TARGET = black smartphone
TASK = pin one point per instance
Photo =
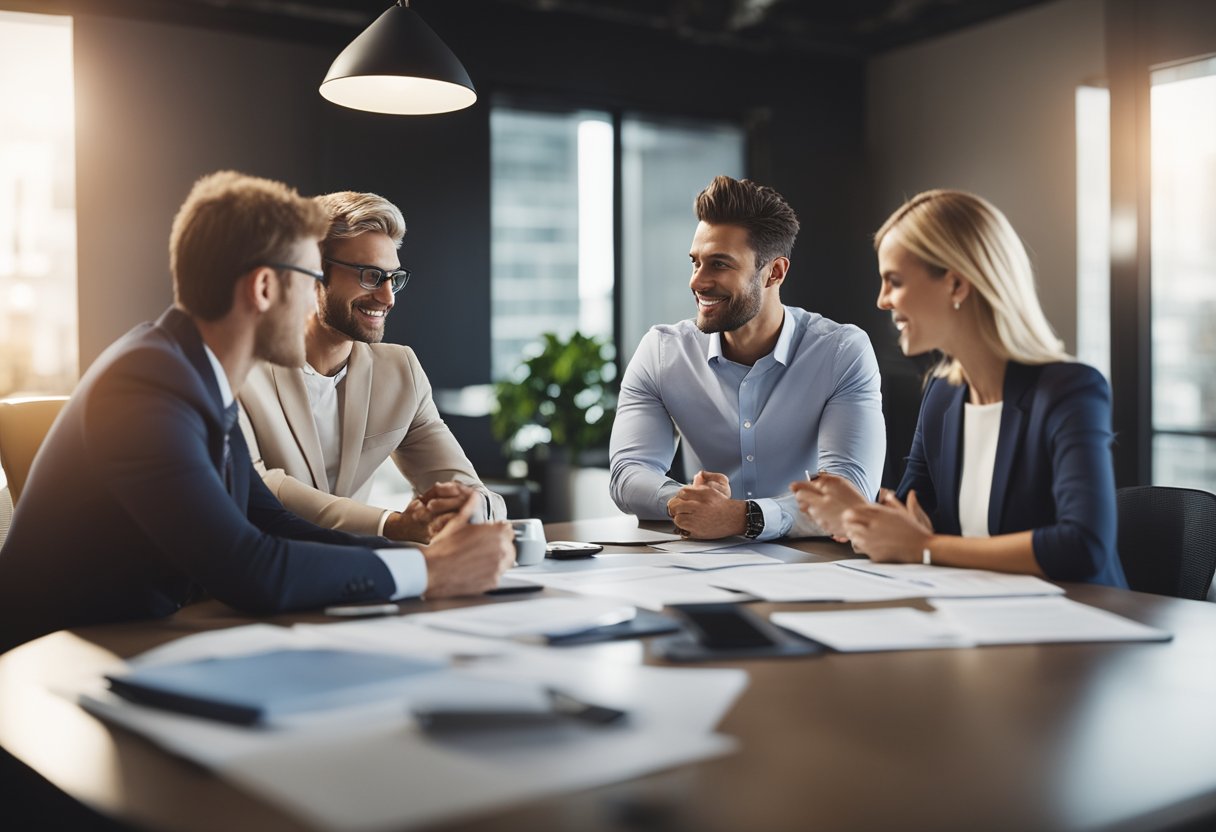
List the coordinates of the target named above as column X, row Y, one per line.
column 729, row 631
column 571, row 550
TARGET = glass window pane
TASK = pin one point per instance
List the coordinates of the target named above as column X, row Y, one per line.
column 1184, row 461
column 1184, row 249
column 38, row 340
column 664, row 165
column 551, row 253
column 1093, row 227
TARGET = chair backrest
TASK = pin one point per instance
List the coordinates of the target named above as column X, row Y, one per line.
column 23, row 425
column 1167, row 539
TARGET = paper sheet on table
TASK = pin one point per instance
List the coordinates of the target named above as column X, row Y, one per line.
column 654, row 593
column 951, row 582
column 372, row 770
column 535, row 617
column 813, row 582
column 966, row 623
column 225, row 643
column 1041, row 620
column 899, row 628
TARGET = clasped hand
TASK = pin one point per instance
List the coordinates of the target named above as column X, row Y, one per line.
column 704, row 509
column 889, row 531
column 467, row 558
column 429, row 512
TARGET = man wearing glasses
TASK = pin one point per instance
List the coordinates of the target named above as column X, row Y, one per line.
column 143, row 497
column 319, row 432
column 759, row 394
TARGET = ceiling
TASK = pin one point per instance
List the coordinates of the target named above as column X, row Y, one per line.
column 843, row 28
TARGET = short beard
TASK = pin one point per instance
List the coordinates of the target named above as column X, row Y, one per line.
column 739, row 309
column 342, row 319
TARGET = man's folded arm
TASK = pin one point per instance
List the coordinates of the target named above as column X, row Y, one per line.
column 152, row 445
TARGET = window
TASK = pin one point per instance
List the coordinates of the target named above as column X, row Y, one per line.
column 38, row 351
column 1093, row 227
column 551, row 217
column 553, row 254
column 1183, row 135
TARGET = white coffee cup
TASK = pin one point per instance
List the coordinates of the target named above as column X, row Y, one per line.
column 529, row 541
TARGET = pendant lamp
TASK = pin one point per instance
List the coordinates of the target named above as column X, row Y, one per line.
column 398, row 65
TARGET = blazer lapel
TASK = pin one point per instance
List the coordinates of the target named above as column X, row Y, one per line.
column 952, row 459
column 1013, row 424
column 293, row 396
column 356, row 397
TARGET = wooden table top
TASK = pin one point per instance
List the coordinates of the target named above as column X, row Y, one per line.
column 1035, row 737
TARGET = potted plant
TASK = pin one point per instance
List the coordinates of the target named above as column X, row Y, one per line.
column 557, row 410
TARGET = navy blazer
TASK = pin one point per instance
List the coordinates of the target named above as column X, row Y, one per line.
column 125, row 514
column 1054, row 473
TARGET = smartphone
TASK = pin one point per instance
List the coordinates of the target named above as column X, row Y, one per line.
column 729, row 631
column 571, row 550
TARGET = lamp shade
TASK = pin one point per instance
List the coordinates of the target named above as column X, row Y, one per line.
column 398, row 65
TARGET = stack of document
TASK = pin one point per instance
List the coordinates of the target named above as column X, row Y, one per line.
column 369, row 767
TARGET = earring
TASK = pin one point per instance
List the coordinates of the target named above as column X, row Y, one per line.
column 956, row 305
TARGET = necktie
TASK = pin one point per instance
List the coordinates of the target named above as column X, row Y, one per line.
column 226, row 467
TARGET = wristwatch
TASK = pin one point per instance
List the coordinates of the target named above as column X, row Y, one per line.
column 755, row 520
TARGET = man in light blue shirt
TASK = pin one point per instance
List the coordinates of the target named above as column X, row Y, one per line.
column 759, row 393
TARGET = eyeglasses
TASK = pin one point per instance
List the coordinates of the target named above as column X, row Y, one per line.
column 315, row 275
column 371, row 277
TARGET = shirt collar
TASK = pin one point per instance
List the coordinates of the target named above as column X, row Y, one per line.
column 335, row 379
column 221, row 377
column 781, row 350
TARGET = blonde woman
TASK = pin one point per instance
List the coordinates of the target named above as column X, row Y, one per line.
column 1010, row 467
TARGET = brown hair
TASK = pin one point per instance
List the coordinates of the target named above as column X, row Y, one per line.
column 229, row 224
column 771, row 223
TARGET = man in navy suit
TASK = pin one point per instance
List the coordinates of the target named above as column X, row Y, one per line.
column 143, row 497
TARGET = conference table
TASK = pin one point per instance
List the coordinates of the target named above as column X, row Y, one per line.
column 1029, row 737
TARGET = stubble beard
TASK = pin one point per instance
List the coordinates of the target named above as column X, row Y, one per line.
column 342, row 319
column 740, row 309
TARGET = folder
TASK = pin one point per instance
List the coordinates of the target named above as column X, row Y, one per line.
column 256, row 688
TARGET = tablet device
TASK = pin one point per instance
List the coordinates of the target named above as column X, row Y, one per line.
column 719, row 632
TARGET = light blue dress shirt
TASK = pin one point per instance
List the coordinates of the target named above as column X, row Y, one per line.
column 407, row 565
column 812, row 404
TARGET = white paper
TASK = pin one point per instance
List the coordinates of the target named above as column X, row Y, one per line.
column 1041, row 620
column 726, row 544
column 953, row 582
column 897, row 628
column 654, row 593
column 813, row 582
column 373, row 770
column 535, row 617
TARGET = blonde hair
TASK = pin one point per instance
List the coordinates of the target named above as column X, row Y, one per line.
column 963, row 233
column 352, row 213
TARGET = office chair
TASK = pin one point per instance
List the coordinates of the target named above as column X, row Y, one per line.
column 23, row 425
column 1167, row 539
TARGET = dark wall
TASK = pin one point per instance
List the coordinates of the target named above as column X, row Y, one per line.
column 160, row 104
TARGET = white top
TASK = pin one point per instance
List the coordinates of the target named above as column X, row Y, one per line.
column 981, row 431
column 323, row 395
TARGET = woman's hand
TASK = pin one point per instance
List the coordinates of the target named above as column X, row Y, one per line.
column 889, row 531
column 825, row 499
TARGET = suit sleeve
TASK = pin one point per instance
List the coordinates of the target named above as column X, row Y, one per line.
column 311, row 503
column 1078, row 432
column 429, row 453
column 643, row 442
column 916, row 474
column 149, row 437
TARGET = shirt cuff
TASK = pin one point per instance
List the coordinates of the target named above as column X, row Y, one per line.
column 383, row 522
column 408, row 568
column 775, row 523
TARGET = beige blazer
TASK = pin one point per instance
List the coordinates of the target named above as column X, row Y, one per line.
column 399, row 420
